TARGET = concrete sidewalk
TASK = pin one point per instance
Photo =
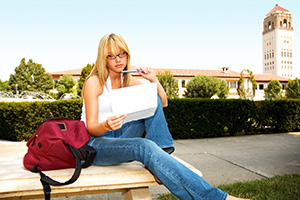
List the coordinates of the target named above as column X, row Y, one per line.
column 221, row 160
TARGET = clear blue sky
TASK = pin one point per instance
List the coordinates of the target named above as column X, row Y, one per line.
column 188, row 34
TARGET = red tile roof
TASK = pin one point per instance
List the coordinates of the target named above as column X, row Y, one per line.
column 268, row 77
column 277, row 7
column 74, row 72
column 192, row 73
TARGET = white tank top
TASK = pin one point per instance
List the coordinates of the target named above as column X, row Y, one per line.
column 104, row 104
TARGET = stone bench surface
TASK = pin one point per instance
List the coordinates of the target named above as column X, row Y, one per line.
column 16, row 181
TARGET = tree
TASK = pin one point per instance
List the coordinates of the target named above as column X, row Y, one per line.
column 84, row 74
column 3, row 85
column 169, row 83
column 65, row 84
column 30, row 76
column 293, row 89
column 273, row 91
column 206, row 86
column 249, row 91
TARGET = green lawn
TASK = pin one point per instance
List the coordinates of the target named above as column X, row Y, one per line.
column 286, row 187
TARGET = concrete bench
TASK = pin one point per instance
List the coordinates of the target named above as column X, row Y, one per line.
column 132, row 179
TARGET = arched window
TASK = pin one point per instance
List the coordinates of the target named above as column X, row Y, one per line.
column 269, row 26
column 284, row 23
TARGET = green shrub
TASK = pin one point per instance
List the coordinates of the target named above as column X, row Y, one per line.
column 279, row 115
column 196, row 118
column 186, row 118
column 19, row 120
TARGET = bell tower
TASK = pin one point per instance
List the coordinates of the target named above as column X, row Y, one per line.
column 278, row 37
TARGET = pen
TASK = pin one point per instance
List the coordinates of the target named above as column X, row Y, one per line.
column 132, row 71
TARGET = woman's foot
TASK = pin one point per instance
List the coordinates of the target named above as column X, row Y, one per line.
column 229, row 197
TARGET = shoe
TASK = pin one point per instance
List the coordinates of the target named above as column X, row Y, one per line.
column 169, row 150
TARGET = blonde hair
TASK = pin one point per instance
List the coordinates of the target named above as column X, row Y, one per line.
column 110, row 42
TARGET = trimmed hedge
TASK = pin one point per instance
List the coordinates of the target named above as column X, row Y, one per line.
column 19, row 120
column 186, row 118
column 196, row 118
column 279, row 115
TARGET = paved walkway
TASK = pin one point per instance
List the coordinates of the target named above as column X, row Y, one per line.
column 221, row 160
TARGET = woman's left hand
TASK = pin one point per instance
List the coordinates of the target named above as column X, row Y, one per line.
column 148, row 74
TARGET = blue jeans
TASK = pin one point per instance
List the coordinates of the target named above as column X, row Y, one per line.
column 126, row 145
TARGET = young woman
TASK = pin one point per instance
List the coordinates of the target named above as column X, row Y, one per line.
column 117, row 143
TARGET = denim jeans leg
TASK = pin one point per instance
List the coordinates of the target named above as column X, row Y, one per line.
column 157, row 129
column 133, row 129
column 180, row 180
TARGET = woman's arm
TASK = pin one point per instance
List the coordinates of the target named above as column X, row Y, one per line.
column 91, row 91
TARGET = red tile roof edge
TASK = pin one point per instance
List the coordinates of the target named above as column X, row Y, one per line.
column 193, row 72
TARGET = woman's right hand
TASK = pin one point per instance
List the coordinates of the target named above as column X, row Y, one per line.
column 115, row 122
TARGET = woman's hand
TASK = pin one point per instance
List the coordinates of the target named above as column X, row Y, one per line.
column 148, row 74
column 115, row 122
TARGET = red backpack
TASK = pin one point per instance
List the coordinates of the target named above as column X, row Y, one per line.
column 58, row 143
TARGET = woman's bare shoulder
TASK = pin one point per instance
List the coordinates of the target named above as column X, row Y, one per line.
column 92, row 85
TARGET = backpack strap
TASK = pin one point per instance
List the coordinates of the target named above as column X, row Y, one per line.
column 47, row 181
column 88, row 154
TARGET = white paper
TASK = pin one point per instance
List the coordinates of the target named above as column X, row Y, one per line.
column 137, row 102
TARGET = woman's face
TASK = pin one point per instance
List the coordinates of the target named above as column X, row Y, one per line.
column 116, row 62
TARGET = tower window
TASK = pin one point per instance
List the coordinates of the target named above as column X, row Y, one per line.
column 284, row 23
column 269, row 26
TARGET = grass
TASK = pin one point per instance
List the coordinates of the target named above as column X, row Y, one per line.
column 285, row 187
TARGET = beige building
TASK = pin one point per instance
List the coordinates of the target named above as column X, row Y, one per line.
column 183, row 76
column 278, row 40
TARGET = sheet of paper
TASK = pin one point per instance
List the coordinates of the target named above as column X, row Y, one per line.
column 137, row 102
